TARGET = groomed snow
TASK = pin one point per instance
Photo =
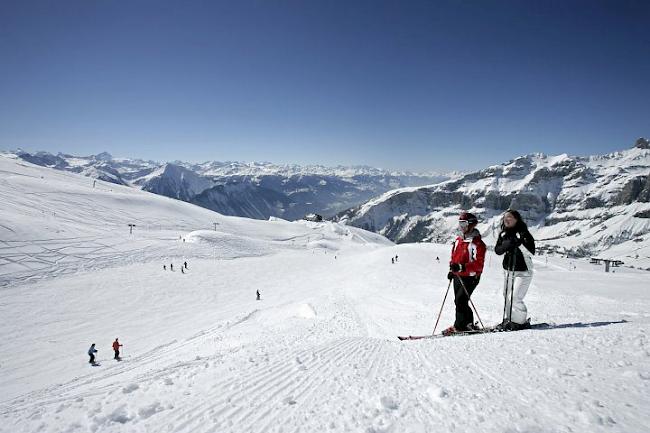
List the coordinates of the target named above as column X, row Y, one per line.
column 317, row 353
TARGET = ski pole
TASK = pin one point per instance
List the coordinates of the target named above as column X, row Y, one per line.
column 512, row 291
column 507, row 286
column 441, row 307
column 470, row 300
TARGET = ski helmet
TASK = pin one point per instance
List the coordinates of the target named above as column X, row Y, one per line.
column 469, row 217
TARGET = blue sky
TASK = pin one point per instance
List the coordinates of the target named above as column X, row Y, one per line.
column 421, row 85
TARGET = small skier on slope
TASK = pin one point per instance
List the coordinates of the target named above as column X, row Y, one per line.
column 91, row 353
column 517, row 269
column 465, row 268
column 116, row 349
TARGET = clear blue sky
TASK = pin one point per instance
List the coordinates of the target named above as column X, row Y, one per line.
column 395, row 84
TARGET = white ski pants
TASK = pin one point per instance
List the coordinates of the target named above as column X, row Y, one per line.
column 519, row 281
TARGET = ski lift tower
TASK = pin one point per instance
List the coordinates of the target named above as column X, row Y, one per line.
column 608, row 262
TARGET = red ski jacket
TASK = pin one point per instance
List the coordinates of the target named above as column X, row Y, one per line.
column 469, row 251
column 116, row 345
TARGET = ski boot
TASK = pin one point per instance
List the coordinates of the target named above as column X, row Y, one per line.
column 507, row 325
column 450, row 331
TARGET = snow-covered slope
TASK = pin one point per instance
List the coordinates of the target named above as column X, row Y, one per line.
column 317, row 353
column 597, row 205
column 53, row 222
column 306, row 189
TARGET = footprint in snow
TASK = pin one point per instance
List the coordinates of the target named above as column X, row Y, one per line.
column 289, row 400
column 130, row 388
column 151, row 409
column 437, row 393
column 388, row 403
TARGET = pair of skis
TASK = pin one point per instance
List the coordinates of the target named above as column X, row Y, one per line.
column 488, row 330
column 454, row 334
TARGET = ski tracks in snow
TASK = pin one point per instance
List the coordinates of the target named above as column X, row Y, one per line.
column 366, row 384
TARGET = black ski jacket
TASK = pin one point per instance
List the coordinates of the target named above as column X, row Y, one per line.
column 508, row 242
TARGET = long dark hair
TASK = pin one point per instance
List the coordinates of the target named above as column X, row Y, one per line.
column 520, row 225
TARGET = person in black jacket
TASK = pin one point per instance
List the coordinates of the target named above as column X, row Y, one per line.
column 517, row 245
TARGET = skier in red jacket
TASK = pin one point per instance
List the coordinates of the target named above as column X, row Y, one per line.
column 116, row 349
column 465, row 268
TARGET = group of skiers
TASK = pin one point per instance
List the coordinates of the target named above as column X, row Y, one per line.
column 171, row 267
column 516, row 244
column 116, row 350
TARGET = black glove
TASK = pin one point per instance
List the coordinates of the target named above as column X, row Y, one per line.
column 508, row 244
column 457, row 267
column 450, row 276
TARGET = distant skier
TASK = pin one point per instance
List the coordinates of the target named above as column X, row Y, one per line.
column 164, row 267
column 392, row 260
column 396, row 257
column 437, row 259
column 91, row 353
column 185, row 264
column 182, row 271
column 259, row 296
column 465, row 268
column 517, row 269
column 116, row 349
column 171, row 267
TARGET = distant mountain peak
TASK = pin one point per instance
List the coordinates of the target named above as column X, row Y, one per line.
column 642, row 143
column 104, row 156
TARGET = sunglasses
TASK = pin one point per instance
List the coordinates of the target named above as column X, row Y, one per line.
column 463, row 223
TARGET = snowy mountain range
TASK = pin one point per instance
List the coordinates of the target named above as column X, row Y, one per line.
column 575, row 205
column 254, row 190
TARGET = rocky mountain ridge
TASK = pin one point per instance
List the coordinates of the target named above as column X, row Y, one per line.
column 575, row 205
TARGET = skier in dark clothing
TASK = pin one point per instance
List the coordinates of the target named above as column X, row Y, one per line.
column 185, row 264
column 258, row 295
column 182, row 271
column 91, row 353
column 116, row 349
column 164, row 267
column 465, row 268
column 171, row 266
column 517, row 268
